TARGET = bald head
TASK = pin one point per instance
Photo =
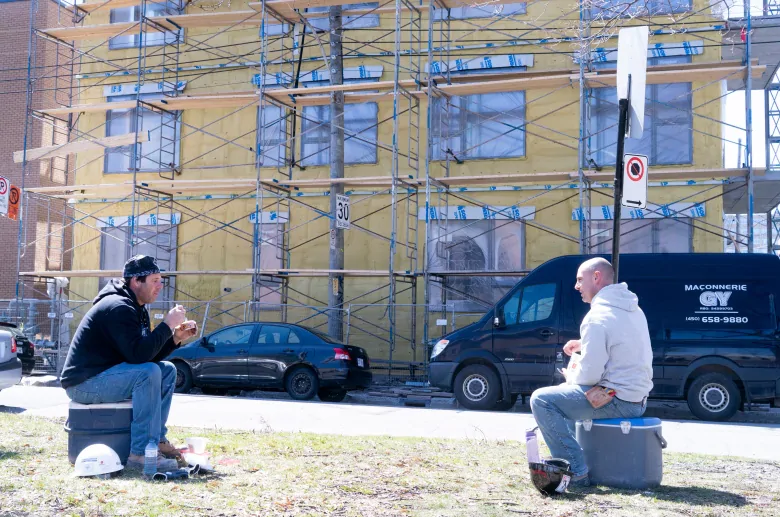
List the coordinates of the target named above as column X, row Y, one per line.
column 592, row 276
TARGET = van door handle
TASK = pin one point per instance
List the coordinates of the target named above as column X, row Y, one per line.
column 242, row 351
column 546, row 333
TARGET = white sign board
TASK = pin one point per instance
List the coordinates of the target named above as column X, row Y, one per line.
column 5, row 189
column 634, row 181
column 342, row 211
column 632, row 60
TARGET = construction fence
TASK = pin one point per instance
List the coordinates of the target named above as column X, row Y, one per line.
column 396, row 356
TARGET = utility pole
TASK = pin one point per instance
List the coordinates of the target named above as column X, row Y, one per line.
column 336, row 257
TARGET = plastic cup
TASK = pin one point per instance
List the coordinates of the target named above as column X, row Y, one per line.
column 197, row 444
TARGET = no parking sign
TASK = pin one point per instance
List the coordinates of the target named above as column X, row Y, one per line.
column 5, row 186
column 634, row 181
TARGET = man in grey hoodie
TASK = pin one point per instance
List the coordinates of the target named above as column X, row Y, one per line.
column 615, row 353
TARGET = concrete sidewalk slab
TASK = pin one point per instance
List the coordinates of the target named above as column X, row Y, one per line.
column 213, row 412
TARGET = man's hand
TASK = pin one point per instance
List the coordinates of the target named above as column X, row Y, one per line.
column 572, row 346
column 184, row 331
column 175, row 317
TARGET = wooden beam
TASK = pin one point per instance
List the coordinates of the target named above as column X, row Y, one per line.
column 55, row 151
column 91, row 7
column 287, row 10
column 189, row 21
column 214, row 101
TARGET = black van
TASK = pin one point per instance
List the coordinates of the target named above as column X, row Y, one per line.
column 712, row 319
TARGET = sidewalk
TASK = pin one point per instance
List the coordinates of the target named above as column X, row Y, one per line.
column 726, row 439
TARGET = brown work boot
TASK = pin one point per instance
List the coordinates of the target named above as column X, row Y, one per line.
column 135, row 462
column 167, row 449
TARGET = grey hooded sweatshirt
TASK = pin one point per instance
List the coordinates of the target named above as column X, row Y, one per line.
column 616, row 351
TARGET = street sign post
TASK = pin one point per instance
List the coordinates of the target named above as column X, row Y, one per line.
column 631, row 76
column 634, row 181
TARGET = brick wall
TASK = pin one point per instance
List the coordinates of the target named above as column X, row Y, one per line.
column 50, row 79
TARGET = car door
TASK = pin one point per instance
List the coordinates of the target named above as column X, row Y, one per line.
column 526, row 338
column 222, row 358
column 273, row 351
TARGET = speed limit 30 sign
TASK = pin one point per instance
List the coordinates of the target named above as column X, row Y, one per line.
column 634, row 181
column 342, row 211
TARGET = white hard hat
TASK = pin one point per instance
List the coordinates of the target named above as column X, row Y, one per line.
column 97, row 459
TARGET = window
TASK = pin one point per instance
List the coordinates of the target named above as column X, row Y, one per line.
column 271, row 141
column 360, row 134
column 645, row 236
column 489, row 125
column 159, row 153
column 668, row 135
column 484, row 11
column 476, row 245
column 133, row 14
column 232, row 336
column 273, row 335
column 628, row 8
column 269, row 256
column 156, row 241
column 358, row 21
column 529, row 304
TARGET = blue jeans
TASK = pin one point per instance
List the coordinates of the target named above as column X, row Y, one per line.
column 557, row 410
column 150, row 385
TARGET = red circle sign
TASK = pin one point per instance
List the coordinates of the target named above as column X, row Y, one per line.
column 635, row 169
column 3, row 187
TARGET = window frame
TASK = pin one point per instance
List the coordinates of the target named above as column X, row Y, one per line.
column 132, row 115
column 595, row 13
column 469, row 124
column 475, row 13
column 128, row 41
column 606, row 224
column 602, row 135
column 169, row 288
column 309, row 126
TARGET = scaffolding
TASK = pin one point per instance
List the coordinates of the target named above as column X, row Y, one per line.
column 158, row 93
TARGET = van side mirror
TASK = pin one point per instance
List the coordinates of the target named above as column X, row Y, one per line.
column 204, row 342
column 496, row 321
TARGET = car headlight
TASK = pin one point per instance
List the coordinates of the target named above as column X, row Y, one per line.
column 439, row 347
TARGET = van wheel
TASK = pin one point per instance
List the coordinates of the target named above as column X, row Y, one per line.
column 714, row 397
column 477, row 387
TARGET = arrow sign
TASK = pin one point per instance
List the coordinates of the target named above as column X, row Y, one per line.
column 634, row 181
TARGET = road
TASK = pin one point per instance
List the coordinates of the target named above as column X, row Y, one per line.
column 758, row 441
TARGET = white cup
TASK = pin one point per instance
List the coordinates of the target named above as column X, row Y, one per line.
column 197, row 444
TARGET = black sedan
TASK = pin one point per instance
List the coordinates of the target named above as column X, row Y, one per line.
column 300, row 360
column 25, row 349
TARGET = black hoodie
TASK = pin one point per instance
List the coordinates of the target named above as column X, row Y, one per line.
column 115, row 330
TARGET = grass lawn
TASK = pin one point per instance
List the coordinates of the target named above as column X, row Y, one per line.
column 306, row 474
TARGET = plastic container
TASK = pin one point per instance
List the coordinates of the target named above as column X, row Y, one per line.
column 623, row 452
column 150, row 459
column 108, row 424
column 197, row 444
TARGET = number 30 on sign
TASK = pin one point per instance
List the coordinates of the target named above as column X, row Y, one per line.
column 342, row 211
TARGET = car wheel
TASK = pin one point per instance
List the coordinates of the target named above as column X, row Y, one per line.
column 332, row 395
column 302, row 384
column 477, row 387
column 183, row 378
column 714, row 397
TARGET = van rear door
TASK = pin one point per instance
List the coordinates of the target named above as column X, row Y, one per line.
column 527, row 335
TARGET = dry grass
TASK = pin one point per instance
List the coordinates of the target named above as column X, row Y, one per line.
column 304, row 474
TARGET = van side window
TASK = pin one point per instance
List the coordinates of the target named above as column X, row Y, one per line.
column 537, row 303
column 532, row 303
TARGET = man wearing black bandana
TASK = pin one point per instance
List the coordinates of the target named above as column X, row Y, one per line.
column 115, row 355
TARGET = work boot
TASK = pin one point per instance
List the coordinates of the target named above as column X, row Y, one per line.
column 167, row 449
column 135, row 462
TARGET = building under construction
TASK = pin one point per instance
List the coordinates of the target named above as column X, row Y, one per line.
column 383, row 172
